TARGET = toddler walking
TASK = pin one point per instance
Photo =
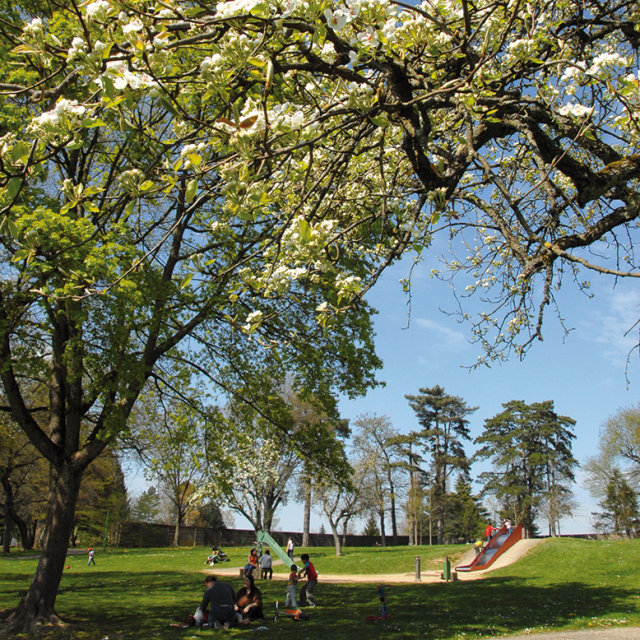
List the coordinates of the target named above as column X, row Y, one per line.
column 292, row 600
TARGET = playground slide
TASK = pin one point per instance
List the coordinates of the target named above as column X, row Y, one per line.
column 494, row 549
column 264, row 538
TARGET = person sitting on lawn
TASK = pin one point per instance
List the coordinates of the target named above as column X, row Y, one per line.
column 219, row 598
column 249, row 601
column 266, row 565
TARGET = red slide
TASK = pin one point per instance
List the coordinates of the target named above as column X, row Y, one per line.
column 494, row 549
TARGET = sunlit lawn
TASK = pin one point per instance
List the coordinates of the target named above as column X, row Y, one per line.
column 561, row 584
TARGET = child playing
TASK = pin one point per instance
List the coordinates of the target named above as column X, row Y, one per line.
column 91, row 558
column 292, row 600
column 266, row 563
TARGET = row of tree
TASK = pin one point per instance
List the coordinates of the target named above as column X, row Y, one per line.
column 416, row 482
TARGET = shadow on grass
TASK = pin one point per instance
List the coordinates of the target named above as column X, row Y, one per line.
column 122, row 606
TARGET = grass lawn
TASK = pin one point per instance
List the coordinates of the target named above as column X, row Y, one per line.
column 561, row 584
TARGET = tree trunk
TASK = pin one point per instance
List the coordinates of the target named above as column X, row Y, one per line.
column 336, row 536
column 394, row 523
column 6, row 539
column 306, row 521
column 383, row 533
column 176, row 535
column 26, row 539
column 37, row 607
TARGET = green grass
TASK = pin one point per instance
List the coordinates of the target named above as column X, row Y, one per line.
column 559, row 585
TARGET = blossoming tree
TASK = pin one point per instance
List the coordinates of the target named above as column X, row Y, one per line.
column 189, row 181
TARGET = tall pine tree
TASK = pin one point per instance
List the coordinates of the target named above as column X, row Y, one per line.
column 443, row 419
column 530, row 449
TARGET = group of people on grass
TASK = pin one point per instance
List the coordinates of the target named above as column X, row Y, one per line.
column 222, row 607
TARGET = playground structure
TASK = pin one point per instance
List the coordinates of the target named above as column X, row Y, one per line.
column 262, row 538
column 500, row 542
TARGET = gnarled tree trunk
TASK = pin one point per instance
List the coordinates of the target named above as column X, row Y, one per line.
column 38, row 605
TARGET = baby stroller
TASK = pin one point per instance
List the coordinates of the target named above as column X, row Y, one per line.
column 217, row 555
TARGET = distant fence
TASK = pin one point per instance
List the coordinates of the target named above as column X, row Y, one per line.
column 142, row 534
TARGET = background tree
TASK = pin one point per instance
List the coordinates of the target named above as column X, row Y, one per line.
column 620, row 508
column 371, row 526
column 146, row 506
column 174, row 443
column 466, row 517
column 612, row 473
column 23, row 484
column 340, row 501
column 523, row 442
column 374, row 444
column 444, row 428
column 102, row 501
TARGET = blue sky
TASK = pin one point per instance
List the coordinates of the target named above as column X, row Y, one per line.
column 583, row 373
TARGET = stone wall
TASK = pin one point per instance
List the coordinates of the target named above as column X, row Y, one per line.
column 140, row 534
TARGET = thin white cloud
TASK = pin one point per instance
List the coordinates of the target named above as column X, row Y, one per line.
column 442, row 335
column 611, row 323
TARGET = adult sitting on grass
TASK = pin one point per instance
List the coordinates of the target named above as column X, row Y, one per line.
column 249, row 601
column 220, row 599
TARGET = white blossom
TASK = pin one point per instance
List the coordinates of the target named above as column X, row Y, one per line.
column 97, row 9
column 133, row 26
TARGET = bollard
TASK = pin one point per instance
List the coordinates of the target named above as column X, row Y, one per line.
column 446, row 574
column 418, row 578
column 242, row 572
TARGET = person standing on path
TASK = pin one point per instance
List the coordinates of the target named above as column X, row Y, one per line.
column 308, row 571
column 91, row 558
column 290, row 548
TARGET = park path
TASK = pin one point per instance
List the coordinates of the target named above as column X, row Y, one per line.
column 509, row 557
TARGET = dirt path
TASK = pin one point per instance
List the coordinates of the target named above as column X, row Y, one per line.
column 509, row 557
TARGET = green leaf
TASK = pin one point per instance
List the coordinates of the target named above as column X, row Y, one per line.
column 108, row 87
column 89, row 123
column 186, row 280
column 13, row 187
column 435, row 217
column 256, row 62
column 74, row 144
column 106, row 52
column 20, row 152
column 192, row 190
column 90, row 207
column 380, row 121
column 195, row 159
column 461, row 140
column 21, row 254
column 146, row 185
column 305, row 231
column 13, row 229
